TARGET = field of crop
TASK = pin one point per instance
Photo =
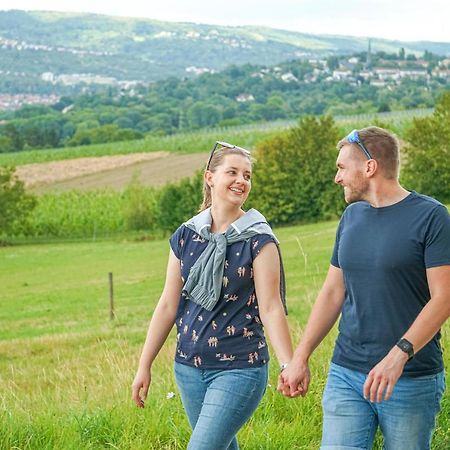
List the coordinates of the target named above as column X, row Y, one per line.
column 66, row 370
column 202, row 140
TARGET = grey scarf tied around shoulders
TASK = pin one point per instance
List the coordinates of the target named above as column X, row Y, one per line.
column 204, row 283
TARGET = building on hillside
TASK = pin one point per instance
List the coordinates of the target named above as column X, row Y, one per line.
column 242, row 98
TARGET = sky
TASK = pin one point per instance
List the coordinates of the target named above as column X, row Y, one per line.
column 406, row 20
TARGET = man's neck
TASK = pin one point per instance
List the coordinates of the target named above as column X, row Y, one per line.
column 386, row 194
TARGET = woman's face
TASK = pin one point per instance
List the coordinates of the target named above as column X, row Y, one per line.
column 231, row 181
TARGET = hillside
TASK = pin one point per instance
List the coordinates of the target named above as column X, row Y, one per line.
column 124, row 49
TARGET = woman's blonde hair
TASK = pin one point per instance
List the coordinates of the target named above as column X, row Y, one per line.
column 215, row 162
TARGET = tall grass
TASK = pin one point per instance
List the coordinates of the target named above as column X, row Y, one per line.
column 66, row 370
column 200, row 140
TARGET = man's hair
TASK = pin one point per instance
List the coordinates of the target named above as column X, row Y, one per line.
column 383, row 146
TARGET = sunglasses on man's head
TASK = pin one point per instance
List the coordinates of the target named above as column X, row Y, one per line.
column 353, row 138
column 225, row 145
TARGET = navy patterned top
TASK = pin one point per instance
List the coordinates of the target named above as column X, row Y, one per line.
column 230, row 336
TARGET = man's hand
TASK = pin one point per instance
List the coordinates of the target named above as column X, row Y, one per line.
column 382, row 378
column 294, row 380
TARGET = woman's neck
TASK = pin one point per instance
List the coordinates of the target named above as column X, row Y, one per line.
column 223, row 218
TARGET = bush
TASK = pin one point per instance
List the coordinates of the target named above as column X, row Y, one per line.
column 15, row 204
column 294, row 172
column 104, row 133
column 177, row 202
column 427, row 153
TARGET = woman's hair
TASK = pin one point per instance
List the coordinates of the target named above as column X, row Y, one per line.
column 216, row 161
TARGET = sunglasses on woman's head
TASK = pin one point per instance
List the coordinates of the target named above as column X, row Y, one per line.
column 225, row 145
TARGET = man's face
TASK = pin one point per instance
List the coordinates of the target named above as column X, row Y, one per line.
column 350, row 174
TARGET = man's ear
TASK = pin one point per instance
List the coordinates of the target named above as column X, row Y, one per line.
column 371, row 168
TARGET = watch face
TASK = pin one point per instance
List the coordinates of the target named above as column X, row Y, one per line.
column 406, row 347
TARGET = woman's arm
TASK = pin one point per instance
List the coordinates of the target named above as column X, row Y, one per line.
column 160, row 325
column 266, row 272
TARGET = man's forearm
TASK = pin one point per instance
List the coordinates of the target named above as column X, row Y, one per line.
column 428, row 322
column 323, row 316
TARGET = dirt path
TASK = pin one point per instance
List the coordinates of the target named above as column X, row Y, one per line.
column 114, row 172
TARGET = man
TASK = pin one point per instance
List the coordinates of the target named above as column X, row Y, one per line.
column 389, row 279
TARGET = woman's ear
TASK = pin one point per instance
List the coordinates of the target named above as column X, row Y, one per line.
column 208, row 177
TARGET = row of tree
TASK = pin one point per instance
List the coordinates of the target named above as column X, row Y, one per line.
column 238, row 95
column 293, row 182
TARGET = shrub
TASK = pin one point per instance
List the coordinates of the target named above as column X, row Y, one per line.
column 15, row 204
column 427, row 153
column 177, row 202
column 294, row 172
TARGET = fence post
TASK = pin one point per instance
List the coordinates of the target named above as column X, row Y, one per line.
column 111, row 296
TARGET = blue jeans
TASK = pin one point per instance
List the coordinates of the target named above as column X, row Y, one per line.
column 406, row 420
column 219, row 402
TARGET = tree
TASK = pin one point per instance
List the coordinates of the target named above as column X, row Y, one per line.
column 6, row 144
column 332, row 62
column 11, row 132
column 15, row 204
column 177, row 202
column 427, row 153
column 294, row 172
column 202, row 114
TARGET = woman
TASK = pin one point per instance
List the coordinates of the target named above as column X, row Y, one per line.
column 222, row 285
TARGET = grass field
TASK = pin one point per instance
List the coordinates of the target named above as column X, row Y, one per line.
column 66, row 370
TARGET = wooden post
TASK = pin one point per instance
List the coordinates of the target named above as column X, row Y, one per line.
column 111, row 296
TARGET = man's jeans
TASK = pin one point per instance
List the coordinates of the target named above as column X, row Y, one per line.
column 219, row 402
column 406, row 420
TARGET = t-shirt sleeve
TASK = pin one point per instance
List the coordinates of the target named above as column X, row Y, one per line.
column 437, row 239
column 335, row 256
column 176, row 241
column 258, row 242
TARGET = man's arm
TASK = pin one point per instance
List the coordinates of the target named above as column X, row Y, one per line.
column 294, row 380
column 383, row 377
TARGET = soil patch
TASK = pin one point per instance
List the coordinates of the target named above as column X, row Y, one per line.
column 152, row 169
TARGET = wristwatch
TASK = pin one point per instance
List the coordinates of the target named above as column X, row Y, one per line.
column 283, row 366
column 407, row 347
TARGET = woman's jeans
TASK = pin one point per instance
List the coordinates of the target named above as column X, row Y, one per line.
column 219, row 402
column 406, row 420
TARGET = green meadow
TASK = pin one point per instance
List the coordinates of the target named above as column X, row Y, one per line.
column 66, row 369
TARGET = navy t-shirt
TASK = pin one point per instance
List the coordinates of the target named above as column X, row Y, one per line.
column 384, row 253
column 231, row 335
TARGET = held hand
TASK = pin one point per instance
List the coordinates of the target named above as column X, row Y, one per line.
column 294, row 380
column 383, row 377
column 140, row 387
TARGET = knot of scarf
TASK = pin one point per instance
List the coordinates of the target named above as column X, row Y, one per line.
column 204, row 282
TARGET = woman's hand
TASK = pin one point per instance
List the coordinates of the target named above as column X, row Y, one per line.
column 140, row 387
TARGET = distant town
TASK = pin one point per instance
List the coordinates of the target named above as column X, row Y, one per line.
column 352, row 70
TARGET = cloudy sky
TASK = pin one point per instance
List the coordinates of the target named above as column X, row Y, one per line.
column 411, row 20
